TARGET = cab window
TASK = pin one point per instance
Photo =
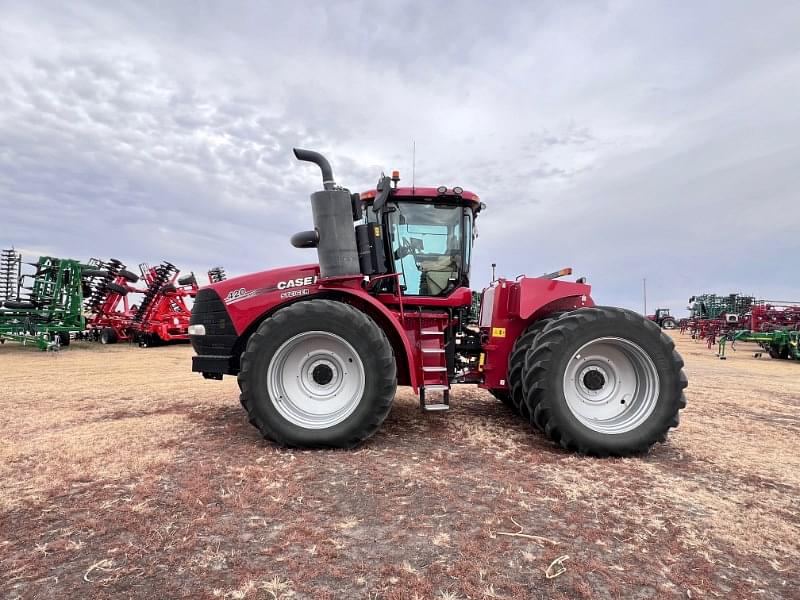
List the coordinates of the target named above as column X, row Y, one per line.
column 427, row 247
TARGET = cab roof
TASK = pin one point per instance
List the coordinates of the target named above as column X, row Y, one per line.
column 428, row 193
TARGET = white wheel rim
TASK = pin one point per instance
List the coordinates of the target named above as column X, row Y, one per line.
column 611, row 385
column 315, row 379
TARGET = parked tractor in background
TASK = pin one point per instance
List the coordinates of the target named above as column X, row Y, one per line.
column 319, row 349
column 663, row 318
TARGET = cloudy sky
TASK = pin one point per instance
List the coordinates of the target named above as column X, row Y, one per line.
column 626, row 139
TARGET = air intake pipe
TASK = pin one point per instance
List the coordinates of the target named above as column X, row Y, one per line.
column 333, row 235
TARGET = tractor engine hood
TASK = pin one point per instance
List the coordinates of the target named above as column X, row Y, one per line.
column 248, row 296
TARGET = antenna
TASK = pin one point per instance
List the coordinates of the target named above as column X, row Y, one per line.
column 644, row 294
column 413, row 165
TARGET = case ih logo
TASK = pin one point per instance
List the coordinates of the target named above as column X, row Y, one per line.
column 299, row 282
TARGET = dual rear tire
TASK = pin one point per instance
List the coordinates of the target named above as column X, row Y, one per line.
column 601, row 381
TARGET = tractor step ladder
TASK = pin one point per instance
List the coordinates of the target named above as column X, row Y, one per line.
column 434, row 367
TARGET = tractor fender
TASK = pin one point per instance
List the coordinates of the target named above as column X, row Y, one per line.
column 386, row 320
column 530, row 294
column 515, row 306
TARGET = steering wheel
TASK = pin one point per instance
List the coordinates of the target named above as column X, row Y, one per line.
column 408, row 246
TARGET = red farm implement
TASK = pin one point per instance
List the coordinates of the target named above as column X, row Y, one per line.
column 216, row 274
column 774, row 325
column 769, row 315
column 107, row 302
column 711, row 316
column 162, row 314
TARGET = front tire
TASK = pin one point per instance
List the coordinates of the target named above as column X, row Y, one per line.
column 108, row 336
column 318, row 373
column 604, row 381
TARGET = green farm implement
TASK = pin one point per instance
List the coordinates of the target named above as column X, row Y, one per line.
column 779, row 343
column 42, row 307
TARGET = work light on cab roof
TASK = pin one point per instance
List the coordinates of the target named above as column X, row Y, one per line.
column 388, row 303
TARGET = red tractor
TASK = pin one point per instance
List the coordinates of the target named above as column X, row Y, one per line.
column 319, row 349
column 663, row 318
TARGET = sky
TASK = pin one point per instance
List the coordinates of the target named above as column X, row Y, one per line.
column 629, row 140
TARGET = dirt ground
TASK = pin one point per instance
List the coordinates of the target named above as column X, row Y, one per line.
column 122, row 474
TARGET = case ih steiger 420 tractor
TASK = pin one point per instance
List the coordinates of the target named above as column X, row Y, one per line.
column 319, row 349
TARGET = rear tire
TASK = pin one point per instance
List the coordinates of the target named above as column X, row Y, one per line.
column 516, row 363
column 604, row 381
column 782, row 354
column 668, row 323
column 63, row 339
column 318, row 373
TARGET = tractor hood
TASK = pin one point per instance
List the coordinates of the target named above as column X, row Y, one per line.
column 249, row 296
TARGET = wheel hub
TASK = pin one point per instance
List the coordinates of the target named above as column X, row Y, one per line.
column 315, row 379
column 593, row 379
column 611, row 385
column 322, row 373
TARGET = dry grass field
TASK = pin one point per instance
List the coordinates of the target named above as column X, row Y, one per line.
column 122, row 474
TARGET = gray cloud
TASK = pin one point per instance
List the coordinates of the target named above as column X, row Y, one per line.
column 627, row 140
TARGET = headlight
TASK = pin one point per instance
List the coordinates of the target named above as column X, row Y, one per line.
column 197, row 329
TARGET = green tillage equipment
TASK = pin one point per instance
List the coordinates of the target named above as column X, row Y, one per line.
column 51, row 309
column 712, row 306
column 781, row 343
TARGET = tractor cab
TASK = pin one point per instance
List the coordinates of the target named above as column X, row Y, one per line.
column 428, row 235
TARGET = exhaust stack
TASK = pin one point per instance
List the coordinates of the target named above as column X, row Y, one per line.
column 333, row 235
